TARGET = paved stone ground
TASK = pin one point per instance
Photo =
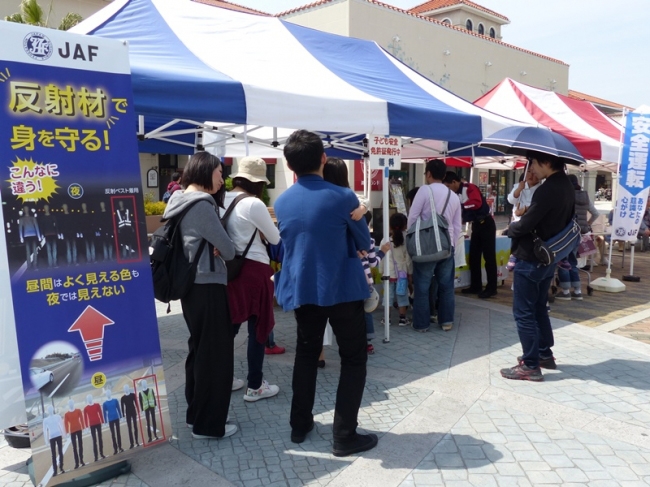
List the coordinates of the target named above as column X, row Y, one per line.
column 443, row 414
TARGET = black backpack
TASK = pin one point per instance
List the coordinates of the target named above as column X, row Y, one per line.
column 173, row 274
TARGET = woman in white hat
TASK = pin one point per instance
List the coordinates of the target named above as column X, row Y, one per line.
column 250, row 294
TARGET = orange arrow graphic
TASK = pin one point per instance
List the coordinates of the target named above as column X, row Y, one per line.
column 90, row 325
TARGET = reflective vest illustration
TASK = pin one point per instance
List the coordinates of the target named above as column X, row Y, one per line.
column 148, row 399
column 123, row 218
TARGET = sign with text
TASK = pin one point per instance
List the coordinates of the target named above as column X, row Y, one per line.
column 384, row 151
column 634, row 178
column 77, row 268
column 376, row 177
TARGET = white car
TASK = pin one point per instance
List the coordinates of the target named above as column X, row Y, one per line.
column 40, row 377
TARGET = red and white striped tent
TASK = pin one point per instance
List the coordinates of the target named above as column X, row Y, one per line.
column 593, row 133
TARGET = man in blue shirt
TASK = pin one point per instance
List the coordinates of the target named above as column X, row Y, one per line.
column 322, row 278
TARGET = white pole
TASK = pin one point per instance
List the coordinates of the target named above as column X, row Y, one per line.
column 386, row 274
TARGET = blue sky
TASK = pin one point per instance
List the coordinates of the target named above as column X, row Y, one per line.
column 601, row 40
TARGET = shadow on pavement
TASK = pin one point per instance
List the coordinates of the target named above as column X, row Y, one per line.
column 613, row 372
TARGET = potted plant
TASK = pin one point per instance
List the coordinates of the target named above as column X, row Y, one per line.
column 153, row 211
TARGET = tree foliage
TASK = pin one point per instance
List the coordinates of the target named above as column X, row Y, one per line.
column 32, row 13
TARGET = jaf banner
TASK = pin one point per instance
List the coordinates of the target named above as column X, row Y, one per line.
column 634, row 179
column 76, row 252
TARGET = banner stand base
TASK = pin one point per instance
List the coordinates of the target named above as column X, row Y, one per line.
column 632, row 278
column 608, row 284
column 92, row 478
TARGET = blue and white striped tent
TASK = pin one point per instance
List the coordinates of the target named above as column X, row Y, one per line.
column 192, row 62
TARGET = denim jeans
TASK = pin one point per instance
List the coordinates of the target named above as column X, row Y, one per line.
column 370, row 326
column 531, row 284
column 424, row 275
column 569, row 279
column 254, row 354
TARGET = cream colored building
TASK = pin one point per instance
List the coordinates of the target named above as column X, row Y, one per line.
column 437, row 44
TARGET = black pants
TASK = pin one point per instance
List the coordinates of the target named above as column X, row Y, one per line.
column 54, row 443
column 209, row 365
column 132, row 425
column 96, row 433
column 150, row 415
column 77, row 447
column 116, row 435
column 483, row 244
column 348, row 324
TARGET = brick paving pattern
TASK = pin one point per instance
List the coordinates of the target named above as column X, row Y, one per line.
column 443, row 413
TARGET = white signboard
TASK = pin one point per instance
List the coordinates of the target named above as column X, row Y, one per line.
column 385, row 151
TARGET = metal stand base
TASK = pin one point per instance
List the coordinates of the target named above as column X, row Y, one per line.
column 631, row 278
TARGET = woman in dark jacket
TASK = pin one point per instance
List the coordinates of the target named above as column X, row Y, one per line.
column 570, row 278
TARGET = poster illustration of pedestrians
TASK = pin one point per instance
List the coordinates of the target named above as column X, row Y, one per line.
column 76, row 252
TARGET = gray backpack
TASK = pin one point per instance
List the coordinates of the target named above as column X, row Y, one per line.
column 429, row 240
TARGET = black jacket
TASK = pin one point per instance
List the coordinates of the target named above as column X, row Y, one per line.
column 550, row 211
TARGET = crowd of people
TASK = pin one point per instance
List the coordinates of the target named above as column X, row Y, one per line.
column 325, row 275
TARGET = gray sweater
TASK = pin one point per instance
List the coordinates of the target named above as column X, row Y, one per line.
column 202, row 222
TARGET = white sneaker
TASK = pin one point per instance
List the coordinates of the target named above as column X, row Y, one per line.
column 263, row 392
column 237, row 384
column 231, row 429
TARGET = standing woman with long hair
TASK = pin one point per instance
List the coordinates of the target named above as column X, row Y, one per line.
column 209, row 364
column 251, row 293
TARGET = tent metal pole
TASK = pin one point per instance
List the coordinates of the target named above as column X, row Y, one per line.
column 386, row 273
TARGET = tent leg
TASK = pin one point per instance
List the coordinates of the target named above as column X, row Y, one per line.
column 386, row 277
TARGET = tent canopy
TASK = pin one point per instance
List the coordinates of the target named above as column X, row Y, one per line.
column 192, row 62
column 593, row 133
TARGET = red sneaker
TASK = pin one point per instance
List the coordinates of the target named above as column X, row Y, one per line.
column 274, row 350
column 371, row 349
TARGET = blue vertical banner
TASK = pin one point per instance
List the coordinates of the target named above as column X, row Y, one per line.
column 76, row 251
column 634, row 178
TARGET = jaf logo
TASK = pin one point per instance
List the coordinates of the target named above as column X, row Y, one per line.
column 38, row 46
column 620, row 232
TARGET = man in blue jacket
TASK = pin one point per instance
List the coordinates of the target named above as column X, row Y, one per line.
column 322, row 278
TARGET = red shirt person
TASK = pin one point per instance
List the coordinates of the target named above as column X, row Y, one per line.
column 476, row 211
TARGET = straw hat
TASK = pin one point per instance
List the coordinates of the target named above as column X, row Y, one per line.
column 252, row 168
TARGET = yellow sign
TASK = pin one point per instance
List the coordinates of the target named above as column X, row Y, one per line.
column 98, row 380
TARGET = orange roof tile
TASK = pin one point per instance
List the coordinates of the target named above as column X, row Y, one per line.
column 436, row 4
column 428, row 19
column 576, row 95
column 231, row 6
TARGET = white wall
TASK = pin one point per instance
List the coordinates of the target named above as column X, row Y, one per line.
column 59, row 8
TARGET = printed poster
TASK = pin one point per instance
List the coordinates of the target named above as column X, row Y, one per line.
column 76, row 252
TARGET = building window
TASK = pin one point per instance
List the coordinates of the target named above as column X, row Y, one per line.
column 481, row 29
column 446, row 21
column 270, row 175
column 493, row 33
column 469, row 25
